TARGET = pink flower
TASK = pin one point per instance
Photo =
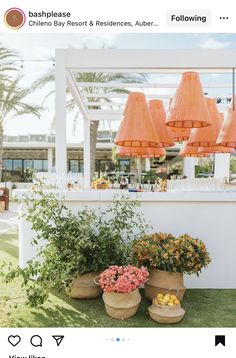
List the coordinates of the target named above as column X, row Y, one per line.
column 123, row 279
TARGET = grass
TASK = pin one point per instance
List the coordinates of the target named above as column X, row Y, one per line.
column 204, row 308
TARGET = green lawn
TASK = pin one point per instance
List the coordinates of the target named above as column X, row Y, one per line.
column 204, row 308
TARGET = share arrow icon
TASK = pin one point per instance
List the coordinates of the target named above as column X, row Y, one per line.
column 58, row 339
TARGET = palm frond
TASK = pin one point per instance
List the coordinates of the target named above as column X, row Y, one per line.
column 12, row 101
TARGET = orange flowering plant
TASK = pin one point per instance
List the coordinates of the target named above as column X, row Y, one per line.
column 165, row 252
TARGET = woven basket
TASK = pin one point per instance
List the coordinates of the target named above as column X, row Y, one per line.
column 121, row 305
column 84, row 286
column 164, row 282
column 101, row 186
column 166, row 314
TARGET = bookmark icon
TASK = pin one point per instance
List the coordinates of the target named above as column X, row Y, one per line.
column 58, row 339
column 220, row 340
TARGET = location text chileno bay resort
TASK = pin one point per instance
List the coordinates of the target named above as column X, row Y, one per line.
column 60, row 19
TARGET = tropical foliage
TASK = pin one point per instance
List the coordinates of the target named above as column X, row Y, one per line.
column 13, row 95
column 74, row 243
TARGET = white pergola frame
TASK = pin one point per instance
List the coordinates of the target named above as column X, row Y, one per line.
column 69, row 61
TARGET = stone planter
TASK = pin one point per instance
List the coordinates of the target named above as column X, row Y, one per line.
column 121, row 305
column 84, row 286
column 166, row 314
column 164, row 282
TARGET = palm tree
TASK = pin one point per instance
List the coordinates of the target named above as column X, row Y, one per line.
column 7, row 58
column 12, row 104
column 93, row 77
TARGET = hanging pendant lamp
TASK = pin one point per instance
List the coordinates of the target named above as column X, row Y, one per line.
column 190, row 151
column 158, row 114
column 135, row 152
column 207, row 137
column 221, row 118
column 136, row 128
column 227, row 135
column 178, row 134
column 215, row 150
column 188, row 108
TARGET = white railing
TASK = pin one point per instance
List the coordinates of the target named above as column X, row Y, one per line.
column 198, row 184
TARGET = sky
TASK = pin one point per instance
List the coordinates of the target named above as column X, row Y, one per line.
column 37, row 52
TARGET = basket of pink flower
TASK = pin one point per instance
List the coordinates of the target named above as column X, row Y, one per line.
column 120, row 285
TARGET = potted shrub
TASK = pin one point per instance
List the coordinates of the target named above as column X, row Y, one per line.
column 73, row 248
column 167, row 259
column 120, row 285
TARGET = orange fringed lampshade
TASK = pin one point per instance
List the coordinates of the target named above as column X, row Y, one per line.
column 178, row 134
column 227, row 135
column 158, row 114
column 140, row 152
column 190, row 151
column 137, row 128
column 217, row 149
column 207, row 137
column 188, row 108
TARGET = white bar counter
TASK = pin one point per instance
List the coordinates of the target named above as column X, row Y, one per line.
column 209, row 216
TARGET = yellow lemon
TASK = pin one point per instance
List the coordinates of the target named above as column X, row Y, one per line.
column 173, row 297
column 170, row 304
column 159, row 295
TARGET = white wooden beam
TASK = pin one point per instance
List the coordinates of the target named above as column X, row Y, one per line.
column 105, row 112
column 60, row 119
column 105, row 104
column 145, row 85
column 158, row 70
column 87, row 159
column 72, row 85
column 101, row 116
column 140, row 60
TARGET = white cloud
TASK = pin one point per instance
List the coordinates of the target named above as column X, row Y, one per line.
column 212, row 43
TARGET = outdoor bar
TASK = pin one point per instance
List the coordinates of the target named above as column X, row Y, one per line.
column 204, row 208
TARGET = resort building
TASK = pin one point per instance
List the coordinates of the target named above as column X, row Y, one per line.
column 25, row 154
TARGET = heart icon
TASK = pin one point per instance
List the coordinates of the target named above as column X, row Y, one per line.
column 14, row 340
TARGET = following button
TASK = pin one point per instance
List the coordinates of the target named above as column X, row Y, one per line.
column 188, row 18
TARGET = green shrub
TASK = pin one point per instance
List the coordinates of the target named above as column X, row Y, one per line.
column 88, row 241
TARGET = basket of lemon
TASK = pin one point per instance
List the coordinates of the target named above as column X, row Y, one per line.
column 166, row 309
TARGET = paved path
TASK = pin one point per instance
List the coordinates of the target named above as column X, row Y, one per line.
column 9, row 220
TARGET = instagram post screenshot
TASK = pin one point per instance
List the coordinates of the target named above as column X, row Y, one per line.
column 117, row 179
